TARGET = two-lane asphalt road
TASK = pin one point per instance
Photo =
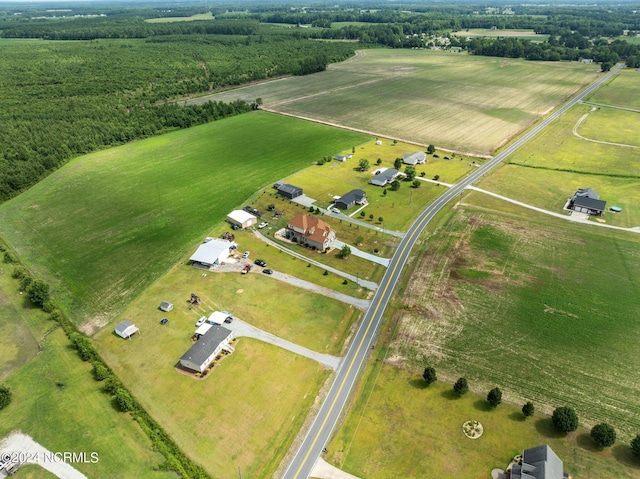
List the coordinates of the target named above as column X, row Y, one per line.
column 348, row 371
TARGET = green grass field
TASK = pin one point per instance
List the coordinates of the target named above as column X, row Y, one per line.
column 550, row 168
column 621, row 91
column 105, row 226
column 400, row 428
column 455, row 101
column 543, row 308
column 514, row 33
column 198, row 16
column 58, row 403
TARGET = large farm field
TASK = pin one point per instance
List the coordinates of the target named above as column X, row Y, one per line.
column 588, row 147
column 543, row 308
column 493, row 33
column 58, row 403
column 400, row 428
column 454, row 101
column 108, row 224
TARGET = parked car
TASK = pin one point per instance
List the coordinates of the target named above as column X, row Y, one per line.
column 262, row 225
column 201, row 321
column 164, row 321
column 245, row 255
column 229, row 319
column 246, row 268
column 235, row 227
column 260, row 262
column 267, row 271
column 335, row 210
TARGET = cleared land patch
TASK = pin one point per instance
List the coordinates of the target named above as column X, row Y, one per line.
column 487, row 32
column 103, row 227
column 400, row 428
column 198, row 16
column 525, row 302
column 621, row 90
column 455, row 101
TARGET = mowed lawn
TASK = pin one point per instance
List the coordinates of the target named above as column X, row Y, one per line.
column 452, row 100
column 550, row 168
column 401, row 429
column 545, row 309
column 107, row 224
column 58, row 403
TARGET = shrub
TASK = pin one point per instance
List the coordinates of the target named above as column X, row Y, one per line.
column 429, row 375
column 603, row 434
column 49, row 306
column 112, row 385
column 25, row 282
column 565, row 419
column 528, row 409
column 494, row 397
column 362, row 214
column 83, row 346
column 461, row 387
column 5, row 396
column 124, row 400
column 635, row 446
column 19, row 272
column 38, row 292
column 100, row 371
column 326, row 273
column 9, row 258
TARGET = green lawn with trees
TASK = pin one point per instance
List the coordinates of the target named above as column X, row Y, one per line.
column 102, row 228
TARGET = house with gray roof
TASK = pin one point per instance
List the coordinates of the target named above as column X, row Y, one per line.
column 586, row 200
column 416, row 158
column 125, row 329
column 538, row 463
column 288, row 191
column 382, row 178
column 353, row 197
column 204, row 350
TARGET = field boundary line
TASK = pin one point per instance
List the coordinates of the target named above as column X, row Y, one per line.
column 578, row 135
column 372, row 133
column 615, row 107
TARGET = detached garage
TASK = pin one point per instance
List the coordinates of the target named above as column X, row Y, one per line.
column 241, row 218
column 125, row 329
column 212, row 252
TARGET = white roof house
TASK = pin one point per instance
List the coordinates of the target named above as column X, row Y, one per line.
column 212, row 252
column 242, row 218
column 218, row 317
column 125, row 329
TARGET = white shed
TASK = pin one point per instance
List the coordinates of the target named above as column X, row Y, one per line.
column 213, row 252
column 126, row 329
column 242, row 218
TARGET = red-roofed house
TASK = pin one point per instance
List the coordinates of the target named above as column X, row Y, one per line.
column 311, row 231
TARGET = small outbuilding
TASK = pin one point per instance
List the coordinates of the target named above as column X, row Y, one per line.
column 125, row 329
column 166, row 306
column 213, row 252
column 204, row 350
column 352, row 198
column 289, row 191
column 586, row 200
column 340, row 158
column 384, row 177
column 416, row 158
column 241, row 218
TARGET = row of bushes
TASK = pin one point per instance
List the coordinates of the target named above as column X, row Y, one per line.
column 175, row 459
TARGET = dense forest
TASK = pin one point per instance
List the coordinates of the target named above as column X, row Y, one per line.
column 81, row 77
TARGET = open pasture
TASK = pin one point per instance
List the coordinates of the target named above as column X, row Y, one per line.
column 543, row 308
column 622, row 90
column 454, row 101
column 198, row 16
column 400, row 428
column 515, row 33
column 58, row 403
column 105, row 226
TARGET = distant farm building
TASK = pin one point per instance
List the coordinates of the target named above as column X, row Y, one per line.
column 241, row 218
column 166, row 306
column 311, row 231
column 125, row 329
column 585, row 200
column 384, row 177
column 353, row 197
column 538, row 463
column 378, row 142
column 204, row 350
column 213, row 252
column 340, row 158
column 288, row 191
column 416, row 158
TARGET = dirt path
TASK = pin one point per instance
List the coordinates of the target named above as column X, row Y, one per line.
column 22, row 447
column 584, row 117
